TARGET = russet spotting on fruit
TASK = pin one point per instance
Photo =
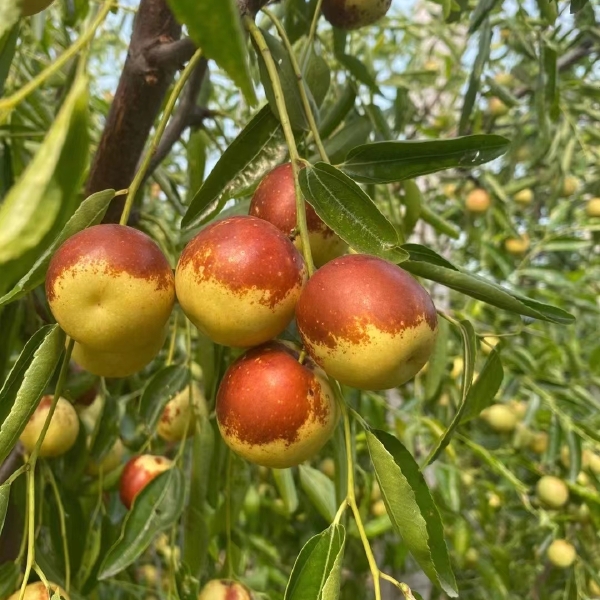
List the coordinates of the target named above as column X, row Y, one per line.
column 179, row 415
column 366, row 322
column 239, row 280
column 275, row 201
column 112, row 290
column 138, row 473
column 62, row 432
column 353, row 14
column 274, row 411
column 38, row 591
column 552, row 491
column 224, row 589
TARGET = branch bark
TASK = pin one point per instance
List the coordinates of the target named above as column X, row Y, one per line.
column 145, row 79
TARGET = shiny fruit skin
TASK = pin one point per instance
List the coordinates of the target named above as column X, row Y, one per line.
column 110, row 462
column 354, row 326
column 222, row 589
column 274, row 411
column 561, row 554
column 592, row 208
column 178, row 417
column 239, row 280
column 38, row 591
column 552, row 491
column 524, row 197
column 121, row 363
column 517, row 246
column 354, row 14
column 33, row 7
column 138, row 473
column 62, row 432
column 478, row 201
column 110, row 288
column 275, row 201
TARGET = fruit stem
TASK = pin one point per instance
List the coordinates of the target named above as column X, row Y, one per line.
column 351, row 497
column 162, row 124
column 169, row 360
column 311, row 33
column 300, row 81
column 16, row 475
column 62, row 377
column 63, row 526
column 9, row 103
column 259, row 39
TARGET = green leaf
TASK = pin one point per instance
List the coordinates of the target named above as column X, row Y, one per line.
column 485, row 388
column 354, row 132
column 359, row 71
column 4, row 496
column 8, row 45
column 437, row 362
column 90, row 212
column 26, row 383
column 289, row 84
column 435, row 268
column 197, row 516
column 9, row 575
column 439, row 223
column 413, row 202
column 386, row 162
column 245, row 158
column 337, row 113
column 343, row 205
column 156, row 508
column 411, row 508
column 50, row 182
column 469, row 355
column 217, row 29
column 161, row 387
column 317, row 572
column 320, row 490
column 316, row 75
column 10, row 13
column 284, row 480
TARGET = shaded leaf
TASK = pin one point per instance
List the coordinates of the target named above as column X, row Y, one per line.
column 156, row 508
column 337, row 113
column 284, row 480
column 485, row 387
column 4, row 496
column 386, row 162
column 26, row 383
column 320, row 490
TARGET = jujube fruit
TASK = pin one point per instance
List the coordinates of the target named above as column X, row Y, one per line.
column 33, row 7
column 38, row 591
column 275, row 201
column 517, row 246
column 109, row 462
column 122, row 362
column 524, row 197
column 353, row 14
column 561, row 554
column 111, row 289
column 500, row 417
column 552, row 491
column 62, row 432
column 178, row 416
column 238, row 281
column 274, row 411
column 223, row 589
column 477, row 201
column 496, row 107
column 366, row 322
column 138, row 473
column 592, row 208
column 570, row 186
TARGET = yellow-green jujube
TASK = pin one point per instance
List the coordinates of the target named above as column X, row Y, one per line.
column 561, row 554
column 111, row 289
column 524, row 197
column 110, row 461
column 38, row 591
column 500, row 418
column 478, row 201
column 552, row 491
column 178, row 418
column 517, row 246
column 592, row 208
column 61, row 434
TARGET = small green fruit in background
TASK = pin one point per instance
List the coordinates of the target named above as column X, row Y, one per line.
column 561, row 554
column 552, row 491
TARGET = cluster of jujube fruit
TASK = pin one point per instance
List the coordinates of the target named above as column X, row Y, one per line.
column 362, row 320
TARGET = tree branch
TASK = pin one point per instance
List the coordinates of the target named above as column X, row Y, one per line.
column 187, row 114
column 172, row 55
column 143, row 84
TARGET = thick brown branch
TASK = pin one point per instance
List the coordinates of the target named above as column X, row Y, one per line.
column 137, row 102
column 173, row 55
